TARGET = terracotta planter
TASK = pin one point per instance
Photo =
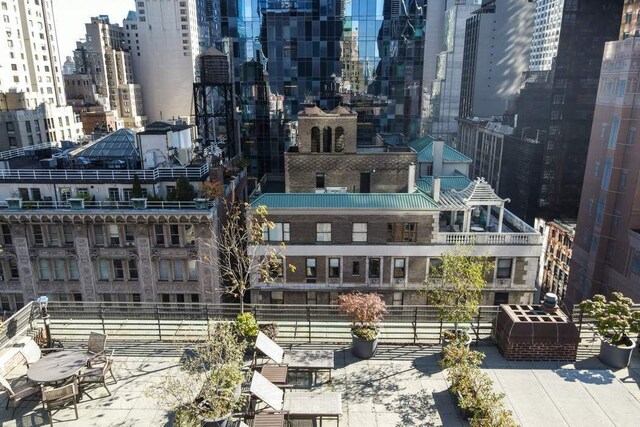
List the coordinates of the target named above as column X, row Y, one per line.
column 616, row 356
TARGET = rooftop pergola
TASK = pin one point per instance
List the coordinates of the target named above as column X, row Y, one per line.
column 470, row 201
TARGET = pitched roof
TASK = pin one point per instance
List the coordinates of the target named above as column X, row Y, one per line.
column 312, row 111
column 477, row 193
column 346, row 201
column 342, row 111
column 119, row 144
column 424, row 147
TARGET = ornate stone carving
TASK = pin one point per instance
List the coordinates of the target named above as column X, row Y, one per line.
column 193, row 254
column 33, row 254
column 132, row 254
column 155, row 254
column 94, row 253
column 70, row 254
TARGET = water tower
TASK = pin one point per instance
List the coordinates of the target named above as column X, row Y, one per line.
column 214, row 105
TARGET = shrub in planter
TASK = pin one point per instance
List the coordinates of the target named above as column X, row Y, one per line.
column 615, row 322
column 205, row 390
column 247, row 325
column 365, row 312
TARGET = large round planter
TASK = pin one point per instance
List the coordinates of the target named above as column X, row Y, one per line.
column 616, row 356
column 467, row 342
column 218, row 422
column 364, row 349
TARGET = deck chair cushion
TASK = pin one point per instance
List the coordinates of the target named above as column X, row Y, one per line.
column 266, row 391
column 269, row 347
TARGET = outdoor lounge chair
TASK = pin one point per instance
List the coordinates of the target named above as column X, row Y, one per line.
column 96, row 347
column 308, row 360
column 296, row 404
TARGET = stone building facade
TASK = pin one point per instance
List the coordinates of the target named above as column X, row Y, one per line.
column 98, row 255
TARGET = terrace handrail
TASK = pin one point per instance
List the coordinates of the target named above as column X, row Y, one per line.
column 489, row 238
column 193, row 173
column 20, row 323
column 109, row 205
column 20, row 152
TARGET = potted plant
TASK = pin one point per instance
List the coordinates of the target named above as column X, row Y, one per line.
column 76, row 203
column 364, row 311
column 206, row 391
column 139, row 202
column 14, row 202
column 456, row 290
column 615, row 321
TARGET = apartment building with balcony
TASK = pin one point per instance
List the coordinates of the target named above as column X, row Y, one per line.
column 379, row 218
column 78, row 234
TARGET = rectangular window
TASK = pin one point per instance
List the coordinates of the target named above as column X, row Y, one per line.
column 401, row 232
column 54, row 237
column 374, row 268
column 355, row 268
column 43, row 267
column 73, row 269
column 118, row 269
column 635, row 263
column 359, row 232
column 504, row 268
column 320, row 180
column 104, row 269
column 159, row 232
column 114, row 235
column 38, row 238
column 36, row 194
column 275, row 268
column 613, row 134
column 163, row 269
column 334, row 268
column 178, row 270
column 606, row 174
column 6, row 235
column 98, row 234
column 129, row 236
column 174, row 233
column 193, row 269
column 435, row 267
column 133, row 269
column 323, row 232
column 398, row 268
column 189, row 235
column 114, row 194
column 279, row 233
column 310, row 268
column 58, row 269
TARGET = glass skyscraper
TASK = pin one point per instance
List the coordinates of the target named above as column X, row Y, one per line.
column 366, row 54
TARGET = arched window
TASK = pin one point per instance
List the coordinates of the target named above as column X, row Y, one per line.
column 315, row 140
column 339, row 135
column 326, row 140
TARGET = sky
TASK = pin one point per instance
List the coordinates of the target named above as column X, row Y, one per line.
column 71, row 15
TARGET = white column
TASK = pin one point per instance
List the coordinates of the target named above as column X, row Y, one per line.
column 467, row 221
column 500, row 219
column 488, row 221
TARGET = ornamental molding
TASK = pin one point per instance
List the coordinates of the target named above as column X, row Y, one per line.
column 89, row 217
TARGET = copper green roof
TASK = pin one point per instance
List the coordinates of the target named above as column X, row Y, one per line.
column 424, row 147
column 456, row 182
column 345, row 201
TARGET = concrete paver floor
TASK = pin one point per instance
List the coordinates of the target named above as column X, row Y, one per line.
column 400, row 386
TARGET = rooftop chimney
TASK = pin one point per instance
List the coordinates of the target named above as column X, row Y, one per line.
column 438, row 156
column 436, row 188
column 411, row 180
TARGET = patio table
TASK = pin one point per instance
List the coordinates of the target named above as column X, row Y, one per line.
column 57, row 366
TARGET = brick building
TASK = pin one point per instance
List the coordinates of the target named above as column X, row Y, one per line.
column 558, row 248
column 379, row 217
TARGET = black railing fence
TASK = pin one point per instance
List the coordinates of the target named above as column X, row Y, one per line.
column 415, row 325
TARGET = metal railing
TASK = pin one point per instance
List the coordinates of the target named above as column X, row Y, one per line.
column 105, row 175
column 296, row 323
column 585, row 324
column 20, row 152
column 19, row 324
column 111, row 205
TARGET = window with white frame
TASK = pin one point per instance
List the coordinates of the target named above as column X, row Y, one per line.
column 435, row 267
column 399, row 268
column 117, row 269
column 359, row 232
column 177, row 270
column 504, row 268
column 275, row 268
column 279, row 233
column 374, row 268
column 334, row 268
column 310, row 268
column 323, row 232
column 58, row 269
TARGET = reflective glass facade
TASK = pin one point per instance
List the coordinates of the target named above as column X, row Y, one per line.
column 366, row 54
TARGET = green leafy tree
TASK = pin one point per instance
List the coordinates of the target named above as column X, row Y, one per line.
column 455, row 286
column 136, row 191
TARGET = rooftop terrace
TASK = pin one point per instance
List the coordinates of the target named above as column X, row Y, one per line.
column 402, row 385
